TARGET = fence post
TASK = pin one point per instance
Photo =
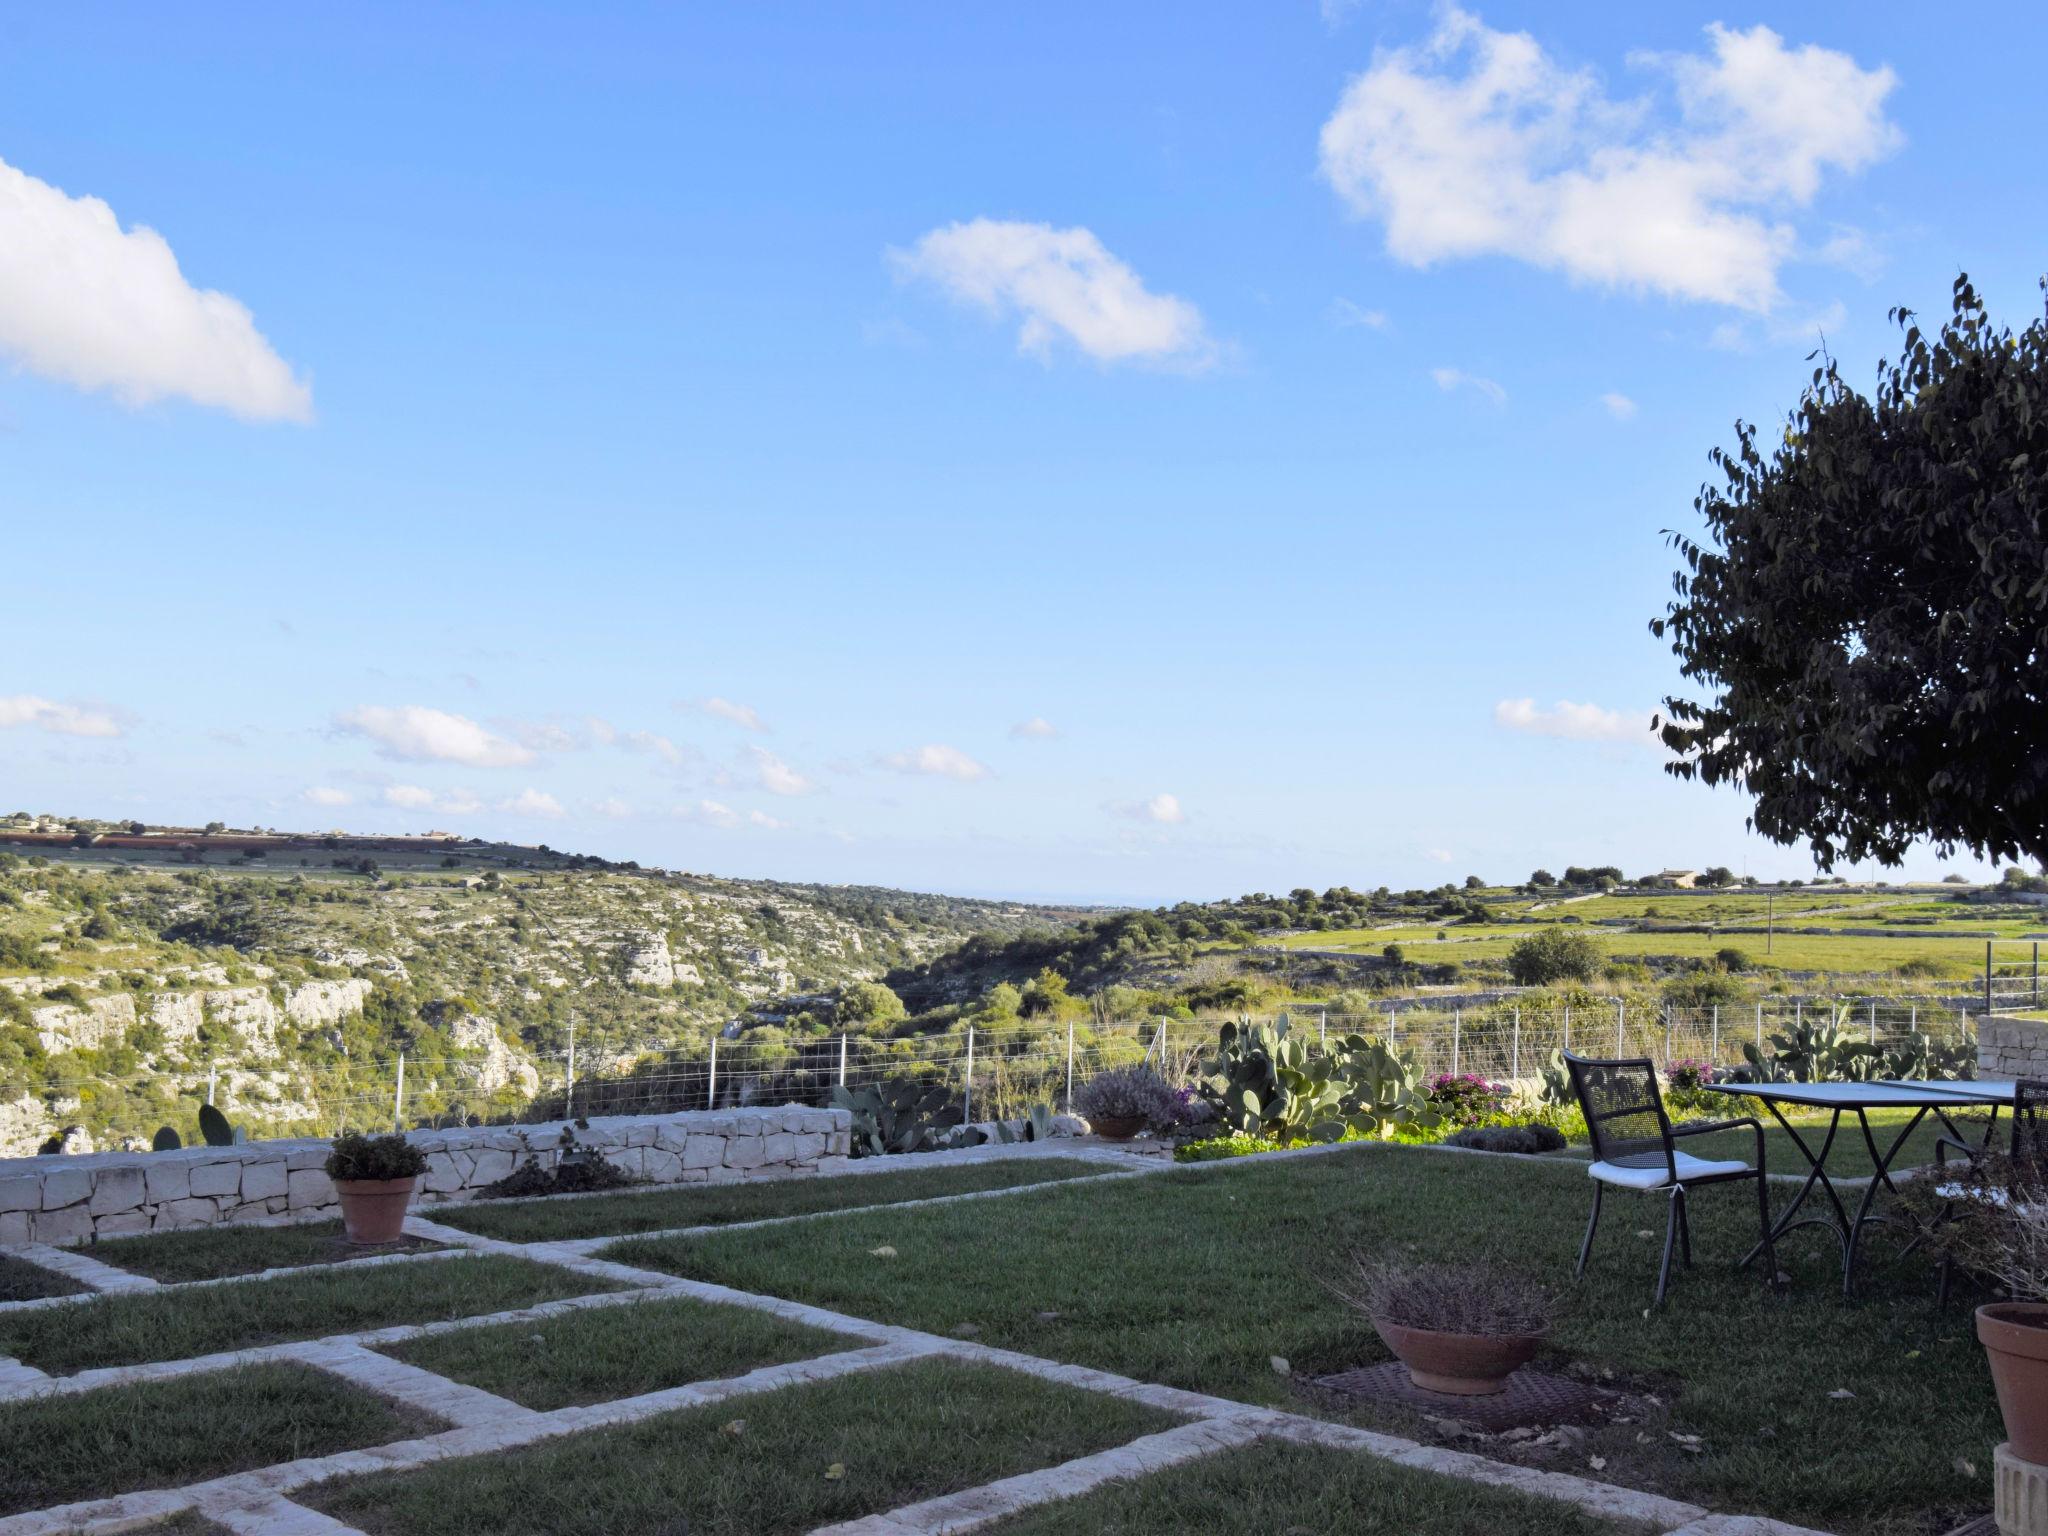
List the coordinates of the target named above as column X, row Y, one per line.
column 842, row 1058
column 398, row 1099
column 1667, row 1039
column 1714, row 1047
column 1390, row 1028
column 1620, row 1008
column 1070, row 1066
column 711, row 1080
column 569, row 1093
column 967, row 1099
column 212, row 1077
column 1515, row 1046
column 1323, row 1026
column 1456, row 1015
column 1759, row 1026
column 1873, row 1021
column 1161, row 1042
column 1799, row 1013
column 1913, row 1019
column 1567, row 1026
column 1987, row 975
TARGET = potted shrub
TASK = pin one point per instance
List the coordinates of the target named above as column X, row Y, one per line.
column 374, row 1178
column 1123, row 1101
column 1458, row 1330
column 1998, row 1227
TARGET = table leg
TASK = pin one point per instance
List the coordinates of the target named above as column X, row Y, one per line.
column 1818, row 1163
column 1880, row 1177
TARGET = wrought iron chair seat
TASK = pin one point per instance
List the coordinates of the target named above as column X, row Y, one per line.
column 1635, row 1147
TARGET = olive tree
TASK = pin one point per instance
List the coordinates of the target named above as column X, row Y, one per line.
column 1866, row 616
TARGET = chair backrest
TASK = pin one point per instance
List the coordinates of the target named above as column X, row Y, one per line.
column 1624, row 1111
column 2029, row 1132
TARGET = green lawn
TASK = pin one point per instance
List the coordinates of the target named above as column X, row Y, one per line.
column 705, row 1205
column 138, row 1326
column 614, row 1352
column 894, row 1436
column 23, row 1281
column 1200, row 1279
column 1274, row 1487
column 164, row 1434
column 208, row 1253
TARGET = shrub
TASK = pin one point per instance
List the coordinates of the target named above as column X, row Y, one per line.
column 356, row 1156
column 1127, row 1093
column 1446, row 1298
column 1733, row 959
column 1689, row 1073
column 1553, row 954
column 578, row 1170
column 1531, row 1138
column 1216, row 1148
column 1466, row 1099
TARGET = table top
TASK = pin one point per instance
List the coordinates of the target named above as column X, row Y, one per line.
column 1907, row 1093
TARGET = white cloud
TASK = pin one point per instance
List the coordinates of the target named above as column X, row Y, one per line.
column 1037, row 728
column 1574, row 722
column 321, row 794
column 742, row 715
column 1063, row 283
column 763, row 819
column 1448, row 379
column 939, row 762
column 1478, row 143
column 1164, row 809
column 415, row 734
column 611, row 806
column 776, row 776
column 1344, row 313
column 58, row 719
column 660, row 746
column 532, row 802
column 1337, row 12
column 1619, row 406
column 89, row 304
column 710, row 811
column 1439, row 855
column 542, row 735
column 415, row 797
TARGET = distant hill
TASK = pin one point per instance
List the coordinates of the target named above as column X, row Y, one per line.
column 274, row 963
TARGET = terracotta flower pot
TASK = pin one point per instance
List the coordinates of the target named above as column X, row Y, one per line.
column 2015, row 1339
column 1460, row 1364
column 373, row 1210
column 1117, row 1127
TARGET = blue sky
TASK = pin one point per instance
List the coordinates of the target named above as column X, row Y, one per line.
column 716, row 436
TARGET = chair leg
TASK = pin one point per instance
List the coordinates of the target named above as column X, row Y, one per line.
column 1592, row 1225
column 1945, row 1277
column 1684, row 1232
column 1670, row 1240
column 1763, row 1213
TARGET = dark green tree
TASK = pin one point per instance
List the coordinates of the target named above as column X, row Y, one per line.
column 1867, row 616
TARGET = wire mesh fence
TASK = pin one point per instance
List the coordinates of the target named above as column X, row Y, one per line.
column 990, row 1073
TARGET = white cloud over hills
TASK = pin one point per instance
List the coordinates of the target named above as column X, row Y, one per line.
column 89, row 304
column 1478, row 143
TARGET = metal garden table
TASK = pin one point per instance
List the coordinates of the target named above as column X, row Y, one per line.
column 1923, row 1098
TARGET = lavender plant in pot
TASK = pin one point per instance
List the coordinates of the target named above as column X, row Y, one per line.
column 1123, row 1101
column 1995, row 1224
column 374, row 1177
column 1461, row 1330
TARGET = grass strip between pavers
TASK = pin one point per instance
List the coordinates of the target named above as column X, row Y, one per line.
column 135, row 1327
column 165, row 1434
column 800, row 1457
column 1273, row 1487
column 614, row 1352
column 23, row 1281
column 1875, row 1418
column 213, row 1253
column 704, row 1205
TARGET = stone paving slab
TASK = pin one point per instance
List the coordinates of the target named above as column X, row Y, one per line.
column 83, row 1268
column 144, row 1283
column 972, row 1507
column 275, row 1516
column 455, row 1402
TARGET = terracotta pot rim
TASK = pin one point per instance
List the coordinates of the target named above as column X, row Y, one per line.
column 1537, row 1336
column 2014, row 1328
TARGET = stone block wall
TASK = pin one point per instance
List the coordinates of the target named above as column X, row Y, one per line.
column 2011, row 1047
column 67, row 1200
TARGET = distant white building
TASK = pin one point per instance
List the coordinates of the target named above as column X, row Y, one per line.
column 1685, row 879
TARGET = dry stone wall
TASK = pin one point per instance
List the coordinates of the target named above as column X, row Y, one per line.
column 68, row 1200
column 2011, row 1047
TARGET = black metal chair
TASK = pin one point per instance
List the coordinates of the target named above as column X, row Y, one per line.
column 2027, row 1174
column 1635, row 1147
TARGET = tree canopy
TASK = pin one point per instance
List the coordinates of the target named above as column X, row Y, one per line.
column 1867, row 617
